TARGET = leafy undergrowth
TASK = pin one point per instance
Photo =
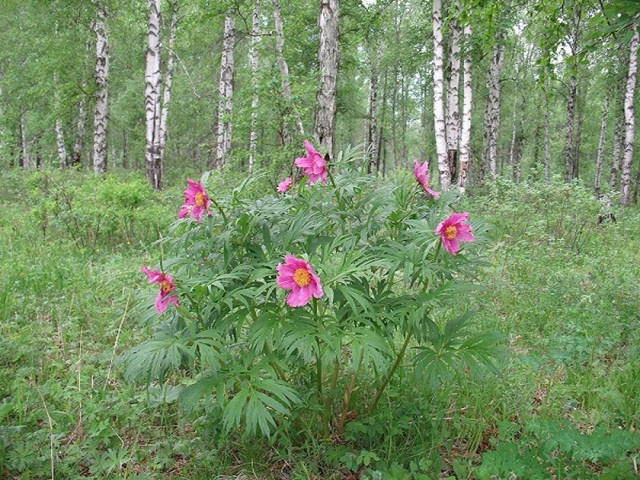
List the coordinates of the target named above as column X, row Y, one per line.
column 564, row 404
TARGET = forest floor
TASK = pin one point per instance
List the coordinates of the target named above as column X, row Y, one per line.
column 565, row 402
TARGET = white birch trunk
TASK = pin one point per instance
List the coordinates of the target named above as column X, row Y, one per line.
column 79, row 140
column 58, row 128
column 328, row 63
column 62, row 150
column 570, row 155
column 603, row 131
column 253, row 58
column 512, row 150
column 547, row 134
column 168, row 79
column 152, row 96
column 615, row 155
column 225, row 91
column 438, row 97
column 78, row 143
column 100, row 117
column 492, row 111
column 467, row 103
column 569, row 150
column 372, row 134
column 453, row 108
column 629, row 119
column 284, row 72
column 24, row 161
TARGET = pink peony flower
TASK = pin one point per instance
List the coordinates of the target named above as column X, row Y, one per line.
column 297, row 275
column 284, row 185
column 313, row 164
column 454, row 230
column 166, row 295
column 196, row 202
column 420, row 172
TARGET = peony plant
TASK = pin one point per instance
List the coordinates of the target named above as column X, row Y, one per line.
column 301, row 308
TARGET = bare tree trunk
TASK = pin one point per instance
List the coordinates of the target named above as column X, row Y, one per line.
column 603, row 132
column 78, row 143
column 79, row 140
column 453, row 108
column 438, row 97
column 152, row 96
column 569, row 151
column 465, row 139
column 404, row 89
column 617, row 150
column 372, row 134
column 514, row 132
column 328, row 61
column 284, row 71
column 23, row 159
column 570, row 166
column 100, row 117
column 168, row 79
column 547, row 135
column 225, row 91
column 394, row 114
column 59, row 130
column 253, row 58
column 62, row 150
column 492, row 111
column 629, row 118
column 636, row 189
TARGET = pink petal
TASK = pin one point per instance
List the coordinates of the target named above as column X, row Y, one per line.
column 458, row 217
column 452, row 246
column 464, row 235
column 435, row 195
column 304, row 162
column 299, row 297
column 286, row 282
column 154, row 276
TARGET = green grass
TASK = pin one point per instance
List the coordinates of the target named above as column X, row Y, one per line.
column 566, row 400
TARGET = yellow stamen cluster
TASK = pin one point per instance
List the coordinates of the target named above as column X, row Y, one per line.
column 166, row 287
column 450, row 232
column 302, row 277
column 200, row 201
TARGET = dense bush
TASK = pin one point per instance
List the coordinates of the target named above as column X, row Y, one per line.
column 94, row 210
column 382, row 282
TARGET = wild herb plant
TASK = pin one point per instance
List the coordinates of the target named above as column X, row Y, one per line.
column 369, row 270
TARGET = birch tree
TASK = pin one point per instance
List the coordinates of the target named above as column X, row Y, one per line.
column 492, row 111
column 617, row 147
column 152, row 96
column 570, row 154
column 438, row 97
column 328, row 63
column 81, row 108
column 61, row 148
column 372, row 131
column 284, row 75
column 465, row 138
column 225, row 92
column 100, row 116
column 453, row 108
column 600, row 151
column 629, row 118
column 253, row 58
column 168, row 79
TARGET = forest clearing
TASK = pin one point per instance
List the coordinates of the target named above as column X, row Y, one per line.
column 338, row 239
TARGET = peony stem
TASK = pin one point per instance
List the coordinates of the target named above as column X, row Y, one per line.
column 395, row 366
column 219, row 208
